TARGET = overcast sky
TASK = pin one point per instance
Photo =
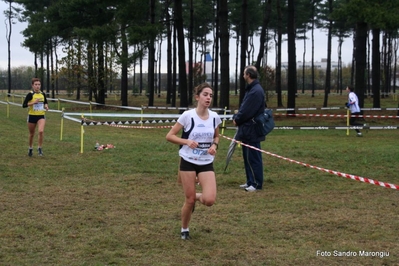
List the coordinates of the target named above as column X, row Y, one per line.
column 21, row 56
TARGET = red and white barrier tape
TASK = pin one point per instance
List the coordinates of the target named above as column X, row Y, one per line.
column 333, row 115
column 112, row 124
column 354, row 177
column 143, row 127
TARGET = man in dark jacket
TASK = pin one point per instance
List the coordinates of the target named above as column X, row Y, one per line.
column 252, row 105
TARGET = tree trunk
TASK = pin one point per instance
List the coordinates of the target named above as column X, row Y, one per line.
column 190, row 55
column 181, row 53
column 124, row 66
column 244, row 44
column 353, row 59
column 278, row 59
column 327, row 88
column 159, row 68
column 237, row 76
column 100, row 74
column 216, row 57
column 141, row 73
column 262, row 40
column 168, row 59
column 395, row 62
column 224, row 56
column 376, row 68
column 151, row 58
column 313, row 25
column 56, row 70
column 8, row 37
column 42, row 71
column 52, row 69
column 174, row 71
column 292, row 81
column 303, row 61
column 360, row 57
column 90, row 72
column 340, row 42
column 78, row 75
column 48, row 45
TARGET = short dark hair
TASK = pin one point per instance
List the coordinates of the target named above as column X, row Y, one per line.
column 251, row 71
column 351, row 88
column 34, row 80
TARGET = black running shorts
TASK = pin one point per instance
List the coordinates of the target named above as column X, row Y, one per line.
column 187, row 166
column 35, row 118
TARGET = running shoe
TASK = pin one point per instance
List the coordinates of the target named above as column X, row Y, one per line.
column 185, row 235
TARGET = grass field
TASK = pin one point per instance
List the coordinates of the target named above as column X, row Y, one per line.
column 122, row 206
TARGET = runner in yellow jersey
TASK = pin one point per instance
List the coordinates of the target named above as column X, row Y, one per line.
column 37, row 105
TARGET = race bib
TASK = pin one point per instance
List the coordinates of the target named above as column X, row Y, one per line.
column 38, row 107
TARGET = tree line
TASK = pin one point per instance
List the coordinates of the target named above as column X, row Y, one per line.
column 103, row 41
